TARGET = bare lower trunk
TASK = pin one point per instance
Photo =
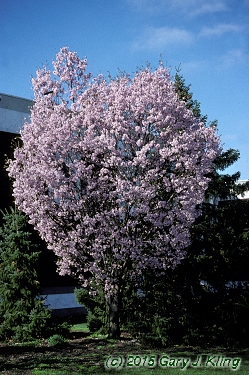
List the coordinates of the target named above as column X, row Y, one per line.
column 113, row 315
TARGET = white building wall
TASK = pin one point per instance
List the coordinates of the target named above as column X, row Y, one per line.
column 14, row 111
column 246, row 194
column 11, row 121
column 61, row 301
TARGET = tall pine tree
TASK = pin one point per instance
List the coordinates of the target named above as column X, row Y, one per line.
column 23, row 315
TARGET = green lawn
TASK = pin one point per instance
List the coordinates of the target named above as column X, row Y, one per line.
column 74, row 368
column 90, row 358
column 244, row 370
column 80, row 327
column 92, row 362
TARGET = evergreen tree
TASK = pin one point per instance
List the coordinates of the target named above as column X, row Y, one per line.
column 185, row 95
column 215, row 269
column 206, row 297
column 22, row 312
column 223, row 224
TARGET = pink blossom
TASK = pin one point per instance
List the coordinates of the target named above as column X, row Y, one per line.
column 110, row 172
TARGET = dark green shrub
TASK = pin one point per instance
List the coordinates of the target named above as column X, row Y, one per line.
column 93, row 322
column 59, row 327
column 57, row 341
column 95, row 304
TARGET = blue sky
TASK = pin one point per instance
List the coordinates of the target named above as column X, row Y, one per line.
column 209, row 39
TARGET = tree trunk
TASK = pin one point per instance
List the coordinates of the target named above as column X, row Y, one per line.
column 113, row 315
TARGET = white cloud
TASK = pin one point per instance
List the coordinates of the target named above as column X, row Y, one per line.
column 233, row 58
column 195, row 8
column 220, row 29
column 159, row 38
column 189, row 7
column 191, row 66
column 207, row 7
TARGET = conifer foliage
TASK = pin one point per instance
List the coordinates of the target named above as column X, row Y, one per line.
column 23, row 315
column 206, row 297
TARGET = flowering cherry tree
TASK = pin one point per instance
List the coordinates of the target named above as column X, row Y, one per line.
column 110, row 173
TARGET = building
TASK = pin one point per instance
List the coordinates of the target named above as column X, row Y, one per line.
column 59, row 290
column 13, row 111
column 246, row 195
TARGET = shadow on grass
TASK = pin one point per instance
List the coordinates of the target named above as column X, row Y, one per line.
column 67, row 357
column 84, row 353
column 71, row 356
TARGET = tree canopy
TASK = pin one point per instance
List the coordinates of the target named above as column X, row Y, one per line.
column 110, row 172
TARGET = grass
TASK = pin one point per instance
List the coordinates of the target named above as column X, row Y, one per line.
column 80, row 327
column 244, row 370
column 142, row 371
column 86, row 363
column 89, row 358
